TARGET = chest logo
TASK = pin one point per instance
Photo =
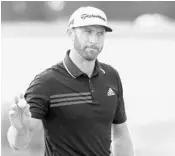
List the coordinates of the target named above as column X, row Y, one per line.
column 110, row 92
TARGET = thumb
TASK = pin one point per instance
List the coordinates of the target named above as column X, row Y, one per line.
column 18, row 97
column 21, row 96
column 26, row 110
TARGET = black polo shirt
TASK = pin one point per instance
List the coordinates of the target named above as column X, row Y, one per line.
column 77, row 111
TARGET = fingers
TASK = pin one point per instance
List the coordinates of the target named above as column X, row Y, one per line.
column 27, row 108
column 18, row 116
column 21, row 96
column 17, row 98
column 20, row 101
column 26, row 111
column 14, row 107
column 20, row 106
column 12, row 113
column 27, row 114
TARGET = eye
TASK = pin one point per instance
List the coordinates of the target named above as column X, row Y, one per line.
column 88, row 31
column 100, row 33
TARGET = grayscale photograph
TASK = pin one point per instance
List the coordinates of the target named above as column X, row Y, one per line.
column 87, row 78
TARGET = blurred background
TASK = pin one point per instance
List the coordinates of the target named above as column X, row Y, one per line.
column 141, row 48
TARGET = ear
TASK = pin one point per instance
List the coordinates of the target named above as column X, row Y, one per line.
column 70, row 33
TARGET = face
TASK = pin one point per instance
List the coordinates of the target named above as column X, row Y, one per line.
column 88, row 41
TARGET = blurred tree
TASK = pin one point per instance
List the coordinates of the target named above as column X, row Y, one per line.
column 52, row 10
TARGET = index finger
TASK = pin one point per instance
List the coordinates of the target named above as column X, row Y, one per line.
column 17, row 98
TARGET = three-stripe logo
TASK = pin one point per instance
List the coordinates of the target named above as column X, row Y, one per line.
column 70, row 99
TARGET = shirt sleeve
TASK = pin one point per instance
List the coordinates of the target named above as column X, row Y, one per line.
column 37, row 96
column 120, row 115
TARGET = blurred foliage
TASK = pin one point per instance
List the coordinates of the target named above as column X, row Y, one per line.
column 115, row 10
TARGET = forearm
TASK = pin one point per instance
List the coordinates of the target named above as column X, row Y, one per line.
column 122, row 147
column 18, row 139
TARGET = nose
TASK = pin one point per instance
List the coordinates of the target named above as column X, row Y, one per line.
column 93, row 39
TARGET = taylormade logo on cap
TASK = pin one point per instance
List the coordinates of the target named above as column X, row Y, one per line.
column 85, row 16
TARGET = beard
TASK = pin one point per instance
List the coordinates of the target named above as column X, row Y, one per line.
column 88, row 52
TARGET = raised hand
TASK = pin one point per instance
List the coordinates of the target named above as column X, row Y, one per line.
column 19, row 113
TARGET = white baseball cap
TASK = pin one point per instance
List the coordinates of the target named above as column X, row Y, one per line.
column 85, row 16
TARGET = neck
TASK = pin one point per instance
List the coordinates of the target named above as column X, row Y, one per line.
column 84, row 65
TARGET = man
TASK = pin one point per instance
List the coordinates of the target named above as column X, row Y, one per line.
column 77, row 101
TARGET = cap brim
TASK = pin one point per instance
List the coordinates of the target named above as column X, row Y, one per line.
column 108, row 29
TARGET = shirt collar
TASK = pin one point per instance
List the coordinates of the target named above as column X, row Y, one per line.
column 75, row 72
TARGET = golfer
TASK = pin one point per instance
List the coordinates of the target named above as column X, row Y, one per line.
column 79, row 101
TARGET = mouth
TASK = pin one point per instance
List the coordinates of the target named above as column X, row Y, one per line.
column 92, row 48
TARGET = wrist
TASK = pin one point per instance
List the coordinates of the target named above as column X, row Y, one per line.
column 18, row 138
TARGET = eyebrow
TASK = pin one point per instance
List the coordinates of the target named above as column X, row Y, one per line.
column 88, row 28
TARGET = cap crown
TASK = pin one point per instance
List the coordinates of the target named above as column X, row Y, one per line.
column 85, row 16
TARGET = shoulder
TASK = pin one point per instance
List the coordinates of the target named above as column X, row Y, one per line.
column 109, row 70
column 111, row 74
column 49, row 73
